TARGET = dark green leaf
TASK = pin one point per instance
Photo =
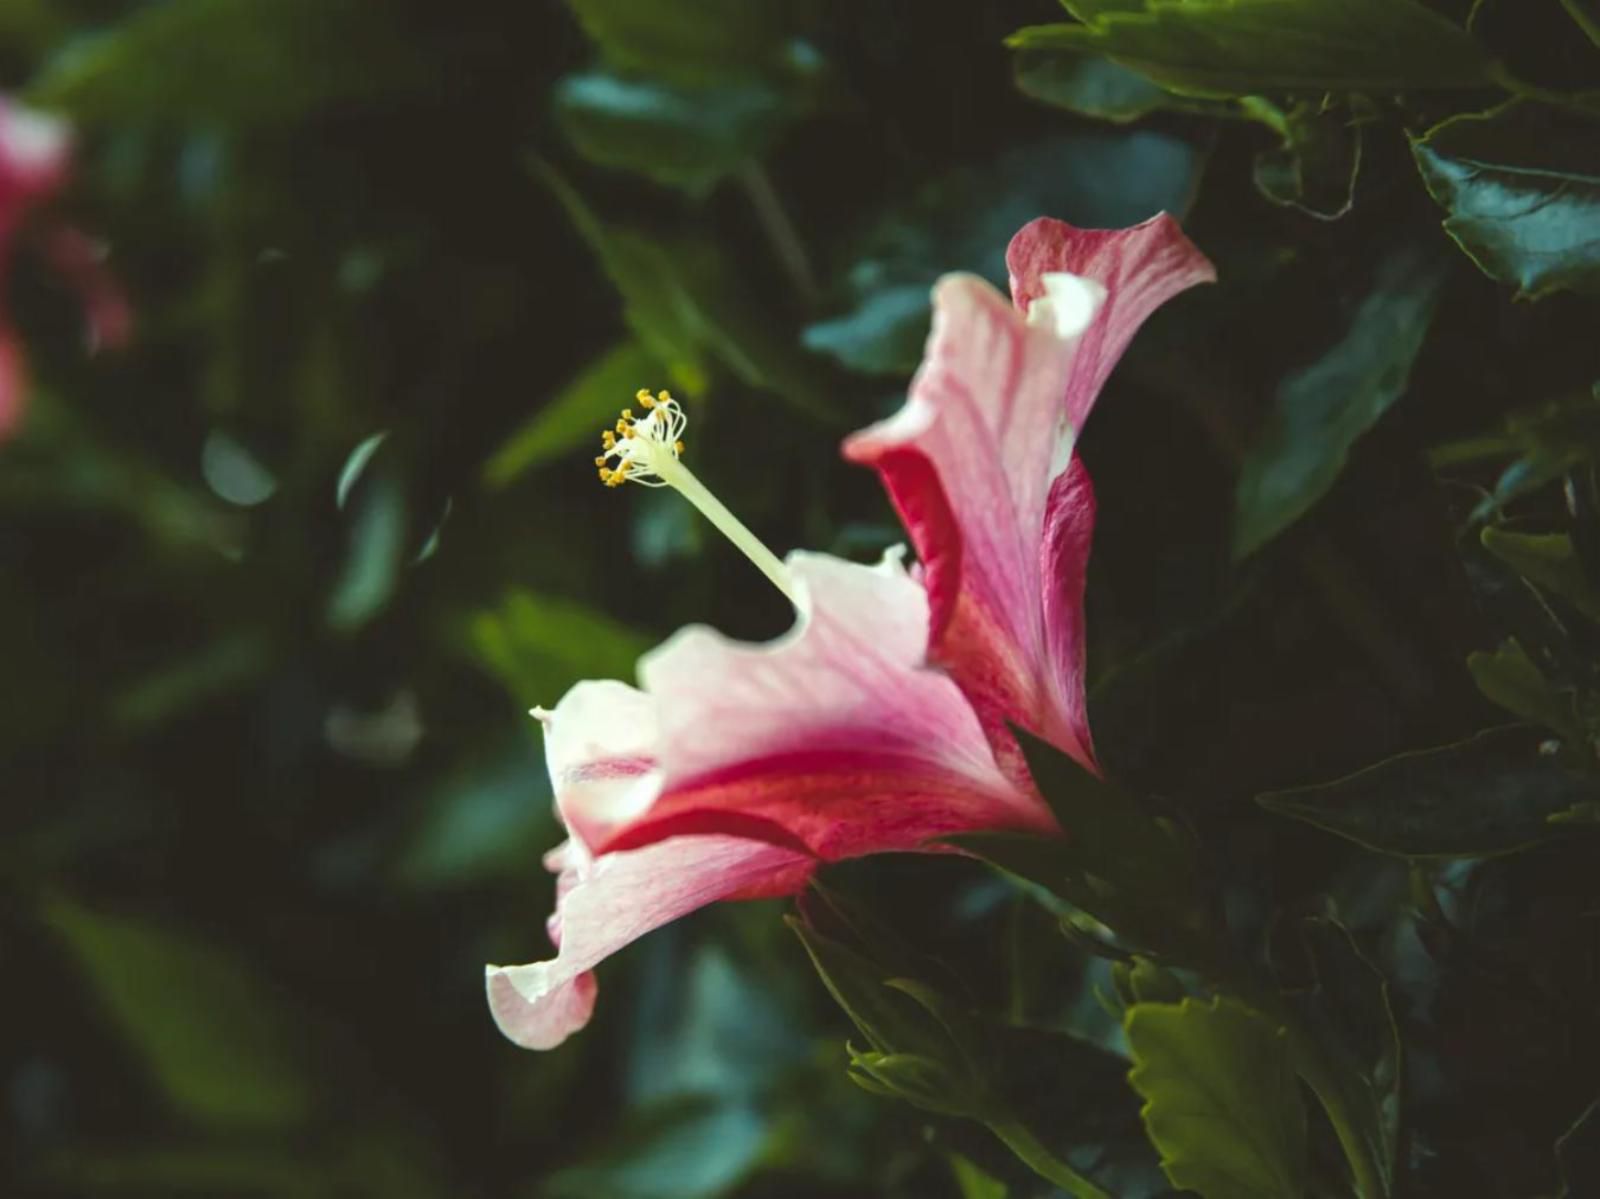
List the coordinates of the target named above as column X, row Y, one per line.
column 577, row 414
column 1222, row 1102
column 1315, row 168
column 376, row 553
column 697, row 42
column 1243, row 47
column 687, row 137
column 1096, row 178
column 182, row 63
column 1083, row 83
column 694, row 1147
column 974, row 1182
column 1510, row 679
column 198, row 1017
column 1521, row 185
column 1321, row 410
column 1547, row 560
column 1490, row 795
column 540, row 645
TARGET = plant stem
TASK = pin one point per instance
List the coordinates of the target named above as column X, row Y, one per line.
column 1042, row 1162
column 780, row 231
column 1585, row 21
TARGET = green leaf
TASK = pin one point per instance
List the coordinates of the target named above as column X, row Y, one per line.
column 1547, row 560
column 1320, row 411
column 214, row 1038
column 1509, row 678
column 693, row 1147
column 376, row 553
column 698, row 42
column 578, row 413
column 1521, row 185
column 1492, row 794
column 974, row 1182
column 1242, row 47
column 1083, row 83
column 686, row 137
column 693, row 311
column 1099, row 178
column 540, row 645
column 1222, row 1102
column 1315, row 168
column 182, row 63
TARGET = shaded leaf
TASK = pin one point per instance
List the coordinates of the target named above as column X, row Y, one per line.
column 1095, row 178
column 697, row 42
column 1548, row 560
column 199, row 1018
column 1087, row 84
column 689, row 138
column 1509, row 678
column 1314, row 170
column 1222, row 1102
column 377, row 547
column 1490, row 795
column 973, row 1182
column 1321, row 410
column 691, row 1148
column 181, row 63
column 1578, row 1155
column 1521, row 185
column 577, row 414
column 1242, row 47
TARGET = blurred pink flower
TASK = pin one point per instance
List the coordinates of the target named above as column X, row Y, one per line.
column 735, row 769
column 35, row 161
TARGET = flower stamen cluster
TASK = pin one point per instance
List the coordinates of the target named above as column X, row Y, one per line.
column 638, row 448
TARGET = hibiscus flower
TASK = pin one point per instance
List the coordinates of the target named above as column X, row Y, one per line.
column 734, row 770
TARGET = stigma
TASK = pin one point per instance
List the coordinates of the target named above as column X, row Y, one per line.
column 645, row 448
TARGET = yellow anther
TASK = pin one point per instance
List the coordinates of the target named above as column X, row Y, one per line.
column 642, row 394
column 627, row 414
column 664, row 397
column 608, row 439
column 648, row 401
column 600, row 460
column 622, row 426
column 677, row 447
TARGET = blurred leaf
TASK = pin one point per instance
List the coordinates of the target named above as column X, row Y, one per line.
column 692, row 311
column 1242, row 47
column 213, row 1034
column 1509, row 678
column 1314, row 169
column 376, row 553
column 1490, row 795
column 539, row 645
column 1086, row 84
column 1521, row 184
column 177, row 687
column 964, row 221
column 1320, row 411
column 974, row 1183
column 690, row 138
column 1547, row 560
column 579, row 412
column 1222, row 1102
column 485, row 821
column 235, row 61
column 356, row 465
column 688, row 1148
column 698, row 42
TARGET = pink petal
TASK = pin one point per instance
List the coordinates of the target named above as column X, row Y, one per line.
column 833, row 740
column 1141, row 268
column 600, row 746
column 617, row 898
column 35, row 156
column 80, row 260
column 977, row 462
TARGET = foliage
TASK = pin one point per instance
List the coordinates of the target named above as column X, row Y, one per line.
column 285, row 574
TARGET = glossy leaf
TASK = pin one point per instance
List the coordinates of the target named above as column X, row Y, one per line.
column 1320, row 411
column 1521, row 187
column 697, row 42
column 1243, row 47
column 1087, row 84
column 1222, row 1102
column 1490, row 795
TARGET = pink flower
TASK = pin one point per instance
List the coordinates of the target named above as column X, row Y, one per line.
column 980, row 462
column 35, row 161
column 734, row 770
